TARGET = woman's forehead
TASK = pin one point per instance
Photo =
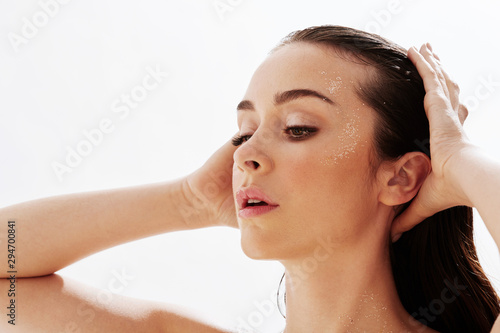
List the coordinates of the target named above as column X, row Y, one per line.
column 305, row 65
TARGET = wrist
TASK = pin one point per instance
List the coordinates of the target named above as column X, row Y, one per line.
column 462, row 168
column 194, row 207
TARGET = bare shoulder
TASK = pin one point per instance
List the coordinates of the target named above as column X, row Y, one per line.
column 173, row 318
column 57, row 304
column 176, row 321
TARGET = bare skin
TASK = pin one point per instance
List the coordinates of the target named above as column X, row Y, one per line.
column 351, row 260
column 333, row 218
column 57, row 304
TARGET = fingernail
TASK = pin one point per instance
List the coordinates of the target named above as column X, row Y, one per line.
column 429, row 46
column 396, row 237
column 412, row 49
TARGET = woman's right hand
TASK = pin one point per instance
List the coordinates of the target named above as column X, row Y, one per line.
column 209, row 190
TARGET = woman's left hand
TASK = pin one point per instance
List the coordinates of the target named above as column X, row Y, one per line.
column 447, row 141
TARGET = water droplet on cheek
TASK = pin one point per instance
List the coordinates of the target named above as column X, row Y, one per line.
column 347, row 142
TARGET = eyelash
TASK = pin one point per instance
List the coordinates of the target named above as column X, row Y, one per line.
column 240, row 139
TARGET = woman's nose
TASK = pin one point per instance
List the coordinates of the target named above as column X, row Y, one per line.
column 252, row 164
column 252, row 157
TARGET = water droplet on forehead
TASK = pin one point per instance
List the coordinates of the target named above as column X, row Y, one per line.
column 334, row 85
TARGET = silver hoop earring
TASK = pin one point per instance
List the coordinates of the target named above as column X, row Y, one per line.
column 281, row 305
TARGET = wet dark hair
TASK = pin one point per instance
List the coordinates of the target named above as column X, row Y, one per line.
column 436, row 269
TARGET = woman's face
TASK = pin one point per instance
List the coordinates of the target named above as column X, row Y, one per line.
column 308, row 155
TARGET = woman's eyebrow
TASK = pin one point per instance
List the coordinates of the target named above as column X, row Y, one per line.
column 285, row 97
column 290, row 95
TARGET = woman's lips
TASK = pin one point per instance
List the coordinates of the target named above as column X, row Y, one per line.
column 252, row 211
column 252, row 201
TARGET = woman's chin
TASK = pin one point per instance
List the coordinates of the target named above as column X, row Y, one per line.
column 266, row 246
column 257, row 245
column 255, row 251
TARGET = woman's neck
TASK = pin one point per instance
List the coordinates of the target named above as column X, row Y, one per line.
column 356, row 292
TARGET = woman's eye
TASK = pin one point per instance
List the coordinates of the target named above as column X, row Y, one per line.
column 294, row 133
column 300, row 132
column 239, row 139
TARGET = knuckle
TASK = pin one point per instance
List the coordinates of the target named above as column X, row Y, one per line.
column 433, row 72
column 463, row 111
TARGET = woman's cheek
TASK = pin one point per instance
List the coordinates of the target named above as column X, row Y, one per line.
column 347, row 143
column 236, row 177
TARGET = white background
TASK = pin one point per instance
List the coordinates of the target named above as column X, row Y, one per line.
column 65, row 78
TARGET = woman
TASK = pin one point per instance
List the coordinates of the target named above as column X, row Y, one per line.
column 331, row 176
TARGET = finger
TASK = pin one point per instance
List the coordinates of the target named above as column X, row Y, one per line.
column 429, row 57
column 409, row 218
column 223, row 159
column 429, row 46
column 433, row 86
column 451, row 86
column 453, row 90
column 425, row 70
column 463, row 112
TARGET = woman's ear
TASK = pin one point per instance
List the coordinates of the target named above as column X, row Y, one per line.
column 401, row 180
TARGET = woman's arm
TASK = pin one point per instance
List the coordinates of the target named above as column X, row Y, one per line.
column 56, row 304
column 54, row 232
column 478, row 175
